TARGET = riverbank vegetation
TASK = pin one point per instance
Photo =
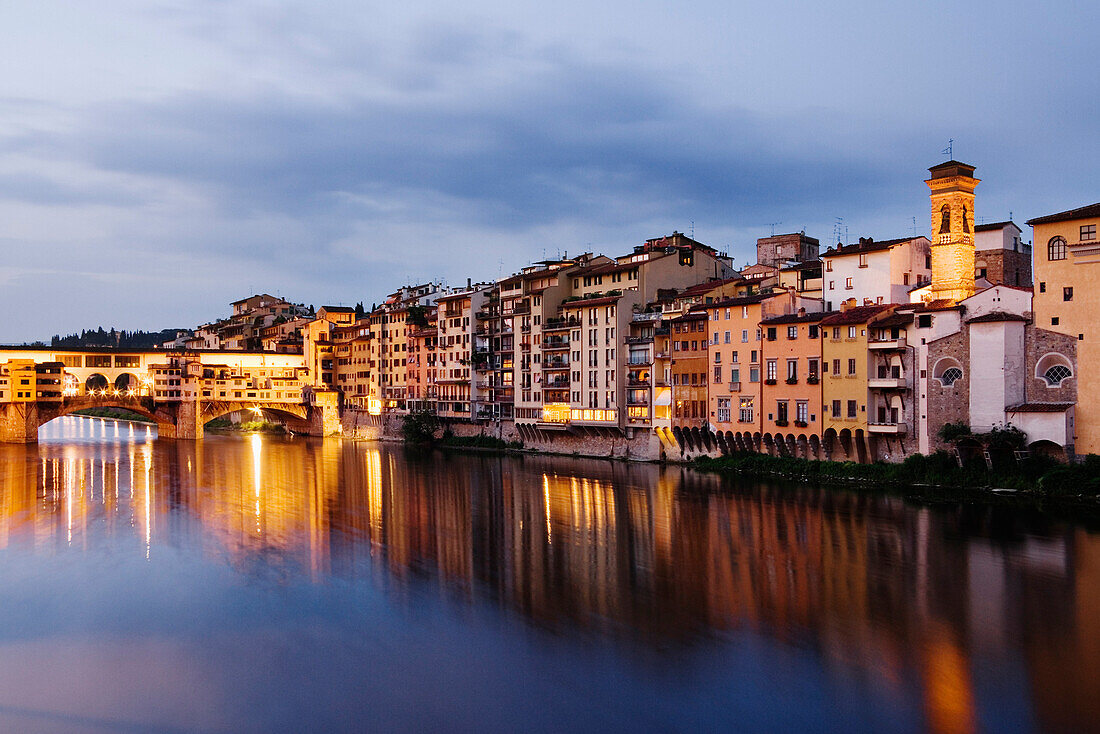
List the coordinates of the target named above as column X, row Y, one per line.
column 118, row 414
column 424, row 428
column 1039, row 474
column 224, row 424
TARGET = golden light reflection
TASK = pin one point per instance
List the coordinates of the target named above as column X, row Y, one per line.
column 662, row 552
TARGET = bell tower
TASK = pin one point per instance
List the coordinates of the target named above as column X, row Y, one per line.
column 951, row 188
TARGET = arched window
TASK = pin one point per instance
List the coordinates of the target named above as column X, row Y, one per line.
column 1056, row 249
column 948, row 371
column 1056, row 374
column 945, row 219
column 1053, row 368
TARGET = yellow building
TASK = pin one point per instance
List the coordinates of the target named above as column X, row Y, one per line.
column 1067, row 300
column 952, row 187
column 845, row 364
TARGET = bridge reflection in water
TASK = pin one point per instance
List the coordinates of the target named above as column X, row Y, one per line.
column 949, row 620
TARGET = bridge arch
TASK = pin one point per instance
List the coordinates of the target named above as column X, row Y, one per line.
column 96, row 382
column 127, row 382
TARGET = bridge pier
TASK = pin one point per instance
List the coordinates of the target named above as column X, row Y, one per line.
column 185, row 422
column 19, row 423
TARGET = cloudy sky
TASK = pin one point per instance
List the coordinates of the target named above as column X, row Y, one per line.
column 161, row 159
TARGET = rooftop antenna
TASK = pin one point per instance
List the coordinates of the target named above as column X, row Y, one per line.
column 914, row 227
column 692, row 229
column 773, row 224
column 840, row 231
column 947, row 151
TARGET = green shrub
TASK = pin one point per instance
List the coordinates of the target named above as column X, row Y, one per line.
column 420, row 426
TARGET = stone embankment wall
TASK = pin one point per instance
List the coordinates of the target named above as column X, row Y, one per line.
column 643, row 446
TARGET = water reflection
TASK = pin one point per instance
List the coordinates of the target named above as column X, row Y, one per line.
column 951, row 620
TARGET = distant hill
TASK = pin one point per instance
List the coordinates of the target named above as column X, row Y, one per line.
column 114, row 338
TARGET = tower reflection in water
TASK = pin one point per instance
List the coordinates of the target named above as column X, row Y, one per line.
column 909, row 598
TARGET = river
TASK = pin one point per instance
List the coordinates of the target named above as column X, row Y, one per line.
column 261, row 583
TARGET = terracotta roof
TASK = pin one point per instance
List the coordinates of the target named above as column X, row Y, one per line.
column 738, row 301
column 995, row 316
column 1092, row 210
column 338, row 309
column 693, row 315
column 701, row 288
column 794, row 318
column 895, row 319
column 584, row 302
column 1039, row 408
column 995, row 225
column 942, row 305
column 951, row 167
column 857, row 315
column 865, row 245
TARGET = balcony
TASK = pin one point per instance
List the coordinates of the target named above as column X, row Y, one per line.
column 886, row 344
column 638, row 339
column 637, row 401
column 735, row 387
column 887, row 383
column 639, row 318
column 552, row 344
column 556, row 364
column 888, row 429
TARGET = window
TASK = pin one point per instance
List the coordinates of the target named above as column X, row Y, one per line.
column 745, row 414
column 772, row 369
column 1088, row 232
column 848, row 283
column 832, row 285
column 924, row 321
column 836, row 366
column 717, row 357
column 792, row 370
column 1042, row 286
column 792, row 332
column 727, row 338
column 1054, row 321
column 813, row 331
column 723, row 410
column 829, row 266
column 771, row 333
column 1056, row 249
column 812, row 370
column 754, row 374
column 851, row 366
column 863, row 259
column 717, row 375
column 851, row 408
column 1056, row 374
column 950, row 376
column 744, row 336
column 1067, row 293
column 801, row 411
column 836, row 408
column 781, row 412
column 905, row 278
column 851, row 332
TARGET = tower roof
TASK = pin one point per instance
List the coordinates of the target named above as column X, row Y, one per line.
column 952, row 168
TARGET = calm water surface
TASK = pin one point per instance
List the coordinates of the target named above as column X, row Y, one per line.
column 266, row 584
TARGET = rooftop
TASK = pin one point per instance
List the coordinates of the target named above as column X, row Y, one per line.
column 798, row 318
column 1082, row 212
column 866, row 244
column 996, row 316
column 994, row 225
column 856, row 315
column 1039, row 408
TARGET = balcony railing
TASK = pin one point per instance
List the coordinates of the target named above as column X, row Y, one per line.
column 896, row 429
column 887, row 344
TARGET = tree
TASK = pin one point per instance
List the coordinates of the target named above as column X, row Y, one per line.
column 420, row 426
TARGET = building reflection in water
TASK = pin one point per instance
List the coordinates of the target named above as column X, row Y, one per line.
column 917, row 602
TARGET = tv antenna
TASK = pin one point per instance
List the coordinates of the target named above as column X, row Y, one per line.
column 950, row 145
column 840, row 231
column 914, row 227
column 773, row 225
column 692, row 229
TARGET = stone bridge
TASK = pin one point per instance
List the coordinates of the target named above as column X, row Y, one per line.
column 180, row 391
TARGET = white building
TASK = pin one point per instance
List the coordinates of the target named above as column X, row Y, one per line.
column 875, row 272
